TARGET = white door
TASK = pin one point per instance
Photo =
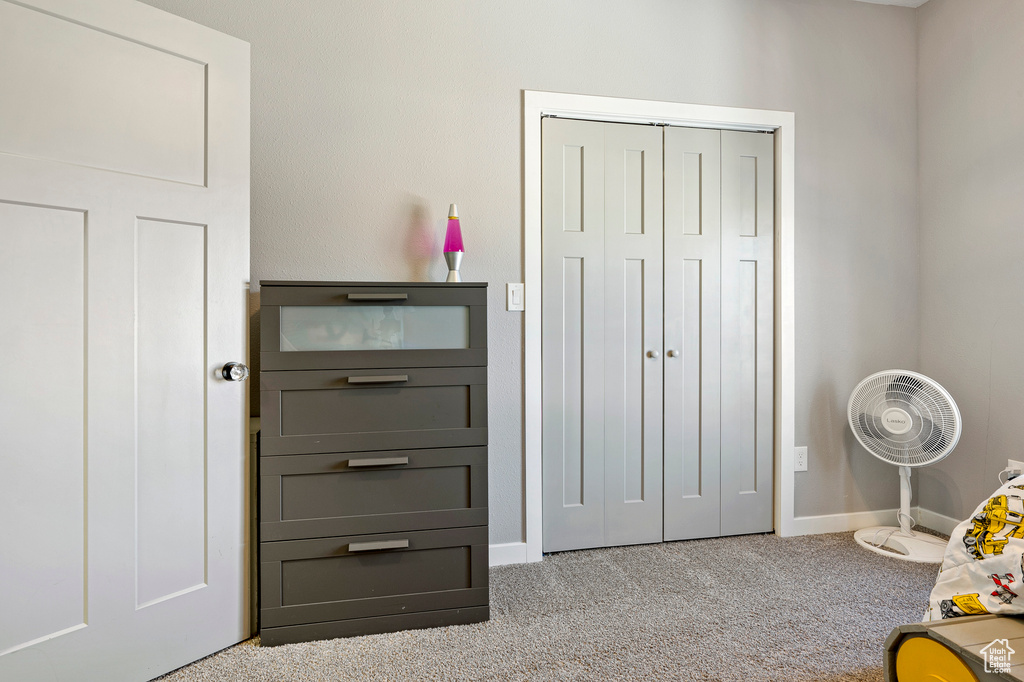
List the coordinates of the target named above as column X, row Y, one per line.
column 693, row 332
column 655, row 237
column 124, row 208
column 719, row 220
column 602, row 334
column 748, row 315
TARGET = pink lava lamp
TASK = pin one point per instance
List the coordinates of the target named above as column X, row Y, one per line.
column 453, row 249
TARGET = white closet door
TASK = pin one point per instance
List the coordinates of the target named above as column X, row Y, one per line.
column 653, row 242
column 633, row 334
column 693, row 303
column 124, row 209
column 573, row 322
column 748, row 209
column 602, row 316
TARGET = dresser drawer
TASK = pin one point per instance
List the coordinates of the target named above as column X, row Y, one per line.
column 364, row 410
column 338, row 326
column 314, row 496
column 351, row 627
column 311, row 581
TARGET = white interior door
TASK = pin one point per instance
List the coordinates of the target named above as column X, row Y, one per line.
column 602, row 336
column 693, row 332
column 573, row 334
column 633, row 333
column 124, row 206
column 656, row 237
column 748, row 368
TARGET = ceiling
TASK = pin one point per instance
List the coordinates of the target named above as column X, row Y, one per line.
column 901, row 3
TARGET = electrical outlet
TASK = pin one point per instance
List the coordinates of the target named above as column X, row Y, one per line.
column 800, row 458
column 1015, row 465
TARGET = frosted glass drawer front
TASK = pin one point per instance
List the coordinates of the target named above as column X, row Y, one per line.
column 350, row 328
column 340, row 326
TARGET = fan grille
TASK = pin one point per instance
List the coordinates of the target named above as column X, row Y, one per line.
column 935, row 420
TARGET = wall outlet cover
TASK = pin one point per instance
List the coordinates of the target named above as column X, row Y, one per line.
column 800, row 458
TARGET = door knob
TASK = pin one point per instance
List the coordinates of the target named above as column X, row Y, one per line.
column 653, row 354
column 673, row 354
column 235, row 371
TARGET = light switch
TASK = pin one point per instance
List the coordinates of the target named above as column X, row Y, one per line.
column 515, row 296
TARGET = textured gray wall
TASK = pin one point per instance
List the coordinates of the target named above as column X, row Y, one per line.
column 362, row 108
column 971, row 98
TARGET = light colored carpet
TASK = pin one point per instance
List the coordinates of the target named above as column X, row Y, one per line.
column 755, row 607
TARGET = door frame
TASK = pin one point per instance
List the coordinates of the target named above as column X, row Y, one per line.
column 536, row 105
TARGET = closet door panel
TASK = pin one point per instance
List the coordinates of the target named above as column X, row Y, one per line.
column 747, row 331
column 573, row 334
column 633, row 334
column 692, row 332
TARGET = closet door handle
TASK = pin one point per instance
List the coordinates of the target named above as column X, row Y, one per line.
column 377, row 546
column 383, row 379
column 673, row 353
column 378, row 462
column 653, row 354
column 378, row 297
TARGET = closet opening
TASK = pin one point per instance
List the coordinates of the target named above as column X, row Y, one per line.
column 691, row 317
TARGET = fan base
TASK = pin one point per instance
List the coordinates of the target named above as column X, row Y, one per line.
column 893, row 542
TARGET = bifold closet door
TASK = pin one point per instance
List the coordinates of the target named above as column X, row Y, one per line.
column 602, row 334
column 693, row 303
column 719, row 227
column 748, row 234
column 657, row 339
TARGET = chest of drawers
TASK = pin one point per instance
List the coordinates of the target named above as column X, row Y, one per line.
column 373, row 458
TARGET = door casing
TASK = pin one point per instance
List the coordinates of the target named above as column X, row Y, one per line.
column 538, row 104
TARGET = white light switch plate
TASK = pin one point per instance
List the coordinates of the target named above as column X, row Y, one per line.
column 800, row 458
column 515, row 298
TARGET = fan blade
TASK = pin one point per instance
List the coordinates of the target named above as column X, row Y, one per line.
column 904, row 385
column 935, row 439
column 871, row 425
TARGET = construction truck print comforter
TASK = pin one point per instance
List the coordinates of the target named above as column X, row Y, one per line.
column 983, row 568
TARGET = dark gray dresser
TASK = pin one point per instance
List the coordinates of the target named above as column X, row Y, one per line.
column 373, row 458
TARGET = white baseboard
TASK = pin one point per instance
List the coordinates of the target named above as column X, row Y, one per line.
column 508, row 553
column 841, row 523
column 515, row 552
column 935, row 521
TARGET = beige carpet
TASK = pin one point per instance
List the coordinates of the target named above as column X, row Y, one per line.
column 754, row 607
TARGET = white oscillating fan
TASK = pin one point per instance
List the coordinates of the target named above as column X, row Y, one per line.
column 909, row 420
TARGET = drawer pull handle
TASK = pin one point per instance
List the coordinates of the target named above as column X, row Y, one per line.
column 377, row 546
column 378, row 297
column 386, row 379
column 378, row 462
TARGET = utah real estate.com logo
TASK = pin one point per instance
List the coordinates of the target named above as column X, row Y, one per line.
column 997, row 656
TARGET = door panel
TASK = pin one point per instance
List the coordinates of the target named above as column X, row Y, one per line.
column 748, row 208
column 693, row 330
column 42, row 411
column 633, row 327
column 124, row 267
column 146, row 106
column 170, row 387
column 572, row 382
column 572, row 244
